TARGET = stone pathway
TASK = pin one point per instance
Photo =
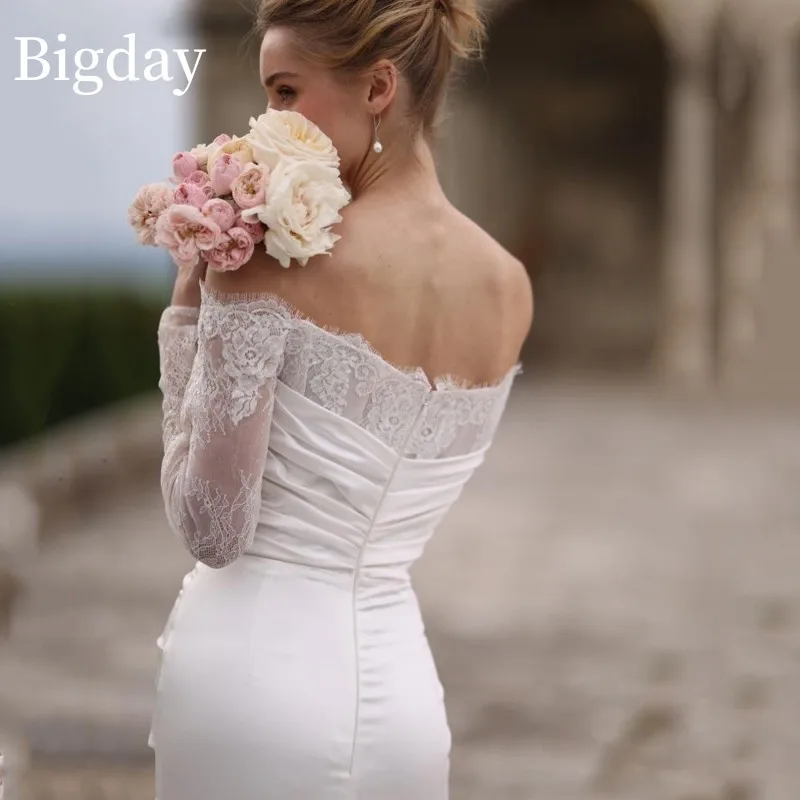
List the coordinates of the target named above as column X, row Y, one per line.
column 614, row 606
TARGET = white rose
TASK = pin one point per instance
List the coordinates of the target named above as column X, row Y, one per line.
column 238, row 147
column 200, row 152
column 207, row 154
column 303, row 202
column 287, row 134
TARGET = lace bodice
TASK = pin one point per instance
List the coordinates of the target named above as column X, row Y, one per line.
column 220, row 366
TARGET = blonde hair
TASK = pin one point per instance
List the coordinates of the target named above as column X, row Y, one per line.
column 422, row 38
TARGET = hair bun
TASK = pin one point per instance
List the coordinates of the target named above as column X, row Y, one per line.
column 464, row 27
column 422, row 38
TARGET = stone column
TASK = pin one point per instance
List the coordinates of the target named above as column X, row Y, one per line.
column 760, row 281
column 777, row 139
column 686, row 343
column 686, row 347
column 761, row 227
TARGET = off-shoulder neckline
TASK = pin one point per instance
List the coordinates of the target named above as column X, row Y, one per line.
column 448, row 383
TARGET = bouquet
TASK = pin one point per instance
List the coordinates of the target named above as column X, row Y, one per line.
column 280, row 184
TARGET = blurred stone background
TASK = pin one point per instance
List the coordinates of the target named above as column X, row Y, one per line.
column 641, row 156
column 614, row 603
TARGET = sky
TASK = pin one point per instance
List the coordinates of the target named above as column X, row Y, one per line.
column 72, row 164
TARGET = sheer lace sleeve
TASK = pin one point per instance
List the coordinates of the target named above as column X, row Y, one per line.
column 177, row 344
column 217, row 379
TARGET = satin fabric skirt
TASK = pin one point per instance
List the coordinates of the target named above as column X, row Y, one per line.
column 286, row 682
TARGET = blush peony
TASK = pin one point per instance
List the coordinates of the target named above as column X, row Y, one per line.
column 150, row 202
column 185, row 233
column 234, row 249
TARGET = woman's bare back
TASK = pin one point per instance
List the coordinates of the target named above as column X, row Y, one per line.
column 421, row 282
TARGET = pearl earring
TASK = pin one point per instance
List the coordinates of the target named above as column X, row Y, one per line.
column 377, row 146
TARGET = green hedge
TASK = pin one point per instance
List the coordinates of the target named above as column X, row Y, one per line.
column 68, row 352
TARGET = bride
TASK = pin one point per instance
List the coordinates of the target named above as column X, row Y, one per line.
column 319, row 422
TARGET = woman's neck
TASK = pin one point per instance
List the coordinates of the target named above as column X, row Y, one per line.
column 399, row 169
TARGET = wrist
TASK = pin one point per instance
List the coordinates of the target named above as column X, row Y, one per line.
column 175, row 316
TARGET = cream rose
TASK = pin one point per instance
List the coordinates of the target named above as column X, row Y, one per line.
column 150, row 202
column 200, row 152
column 238, row 147
column 276, row 135
column 303, row 202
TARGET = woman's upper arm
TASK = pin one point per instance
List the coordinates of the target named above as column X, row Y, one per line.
column 211, row 476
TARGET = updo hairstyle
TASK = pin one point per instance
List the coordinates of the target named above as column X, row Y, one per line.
column 422, row 38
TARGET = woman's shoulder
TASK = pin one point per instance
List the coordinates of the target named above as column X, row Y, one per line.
column 262, row 274
column 499, row 278
column 503, row 277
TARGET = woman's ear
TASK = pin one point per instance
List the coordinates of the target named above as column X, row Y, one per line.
column 382, row 86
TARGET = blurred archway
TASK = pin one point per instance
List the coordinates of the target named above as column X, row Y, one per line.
column 555, row 144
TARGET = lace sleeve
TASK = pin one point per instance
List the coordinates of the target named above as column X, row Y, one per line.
column 177, row 344
column 218, row 383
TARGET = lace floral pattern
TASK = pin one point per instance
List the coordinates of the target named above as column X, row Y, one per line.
column 218, row 374
column 216, row 437
column 218, row 536
column 176, row 353
column 344, row 374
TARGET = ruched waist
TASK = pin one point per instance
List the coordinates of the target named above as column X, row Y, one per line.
column 334, row 497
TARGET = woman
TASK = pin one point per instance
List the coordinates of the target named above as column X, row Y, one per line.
column 318, row 424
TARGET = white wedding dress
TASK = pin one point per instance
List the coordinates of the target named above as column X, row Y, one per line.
column 305, row 473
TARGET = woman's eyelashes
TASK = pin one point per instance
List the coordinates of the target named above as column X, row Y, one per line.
column 285, row 95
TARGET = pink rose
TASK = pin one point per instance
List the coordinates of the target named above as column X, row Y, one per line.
column 235, row 249
column 184, row 164
column 190, row 194
column 186, row 255
column 224, row 171
column 222, row 139
column 184, row 251
column 249, row 188
column 198, row 177
column 185, row 233
column 256, row 229
column 150, row 202
column 221, row 211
